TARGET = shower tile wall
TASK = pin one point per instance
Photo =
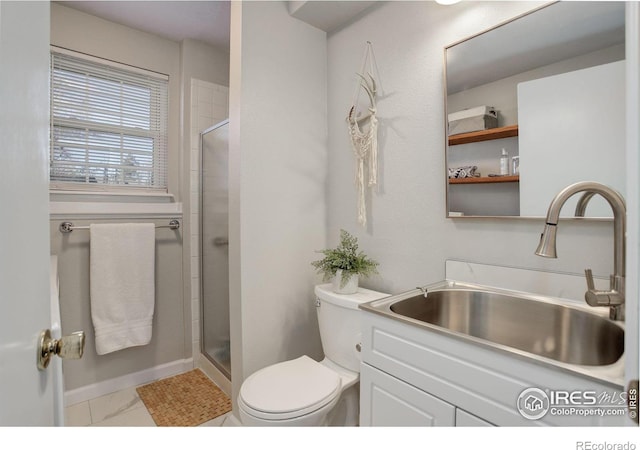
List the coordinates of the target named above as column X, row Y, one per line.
column 209, row 106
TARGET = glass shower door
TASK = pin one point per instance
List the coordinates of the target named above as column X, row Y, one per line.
column 214, row 246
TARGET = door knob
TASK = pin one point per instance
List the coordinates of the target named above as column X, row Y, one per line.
column 67, row 347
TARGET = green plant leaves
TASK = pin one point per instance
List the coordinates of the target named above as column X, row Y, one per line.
column 347, row 258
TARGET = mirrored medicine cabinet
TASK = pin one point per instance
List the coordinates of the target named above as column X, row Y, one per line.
column 555, row 79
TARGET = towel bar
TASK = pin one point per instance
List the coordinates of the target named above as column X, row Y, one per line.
column 68, row 227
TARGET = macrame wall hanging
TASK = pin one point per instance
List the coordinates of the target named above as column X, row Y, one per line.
column 364, row 142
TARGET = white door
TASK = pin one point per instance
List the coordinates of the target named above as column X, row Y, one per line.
column 26, row 394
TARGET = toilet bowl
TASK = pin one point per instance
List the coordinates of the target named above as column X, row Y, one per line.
column 305, row 392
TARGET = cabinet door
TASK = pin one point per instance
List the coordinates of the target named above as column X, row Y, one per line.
column 388, row 401
column 464, row 419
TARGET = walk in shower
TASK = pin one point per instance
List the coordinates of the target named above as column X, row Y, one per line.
column 214, row 246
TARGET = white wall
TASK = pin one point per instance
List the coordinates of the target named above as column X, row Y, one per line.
column 85, row 33
column 202, row 61
column 407, row 231
column 278, row 162
column 89, row 34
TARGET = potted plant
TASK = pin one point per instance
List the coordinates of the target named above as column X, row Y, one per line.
column 344, row 264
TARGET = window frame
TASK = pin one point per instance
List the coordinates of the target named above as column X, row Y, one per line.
column 160, row 136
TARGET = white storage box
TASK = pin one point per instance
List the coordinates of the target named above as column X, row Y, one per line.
column 472, row 119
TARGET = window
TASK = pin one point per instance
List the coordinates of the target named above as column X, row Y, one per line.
column 108, row 125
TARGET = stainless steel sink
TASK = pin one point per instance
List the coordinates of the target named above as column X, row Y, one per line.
column 559, row 332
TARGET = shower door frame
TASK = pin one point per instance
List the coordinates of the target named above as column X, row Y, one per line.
column 203, row 350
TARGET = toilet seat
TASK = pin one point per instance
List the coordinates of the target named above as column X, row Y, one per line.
column 289, row 389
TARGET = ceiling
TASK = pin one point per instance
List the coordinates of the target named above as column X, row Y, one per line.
column 329, row 15
column 208, row 21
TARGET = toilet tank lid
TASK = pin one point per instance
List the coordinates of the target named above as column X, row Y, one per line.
column 324, row 292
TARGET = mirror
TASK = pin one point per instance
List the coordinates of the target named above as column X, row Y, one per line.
column 547, row 87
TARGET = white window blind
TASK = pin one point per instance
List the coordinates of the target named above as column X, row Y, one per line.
column 108, row 125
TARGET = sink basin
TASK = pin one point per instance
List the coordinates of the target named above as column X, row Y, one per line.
column 542, row 328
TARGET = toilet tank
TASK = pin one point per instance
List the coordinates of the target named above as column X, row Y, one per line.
column 339, row 323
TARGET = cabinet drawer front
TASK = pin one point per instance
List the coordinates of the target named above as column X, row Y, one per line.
column 388, row 401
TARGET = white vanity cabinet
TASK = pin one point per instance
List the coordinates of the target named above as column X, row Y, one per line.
column 388, row 401
column 414, row 377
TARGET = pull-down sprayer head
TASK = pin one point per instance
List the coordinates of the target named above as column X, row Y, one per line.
column 547, row 245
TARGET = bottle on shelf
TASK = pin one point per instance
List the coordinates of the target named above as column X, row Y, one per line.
column 504, row 163
column 515, row 165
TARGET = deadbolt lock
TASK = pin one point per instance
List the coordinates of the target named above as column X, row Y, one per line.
column 67, row 347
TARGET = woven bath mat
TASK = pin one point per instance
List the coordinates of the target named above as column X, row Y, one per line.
column 185, row 400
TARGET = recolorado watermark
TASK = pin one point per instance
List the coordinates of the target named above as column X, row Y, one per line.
column 535, row 403
column 589, row 445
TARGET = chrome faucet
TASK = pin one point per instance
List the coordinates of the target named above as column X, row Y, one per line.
column 614, row 297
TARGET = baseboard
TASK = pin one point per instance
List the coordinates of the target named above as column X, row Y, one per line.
column 95, row 390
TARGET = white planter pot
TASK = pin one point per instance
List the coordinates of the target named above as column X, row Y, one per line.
column 350, row 288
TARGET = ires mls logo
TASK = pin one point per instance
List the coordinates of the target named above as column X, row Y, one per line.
column 534, row 403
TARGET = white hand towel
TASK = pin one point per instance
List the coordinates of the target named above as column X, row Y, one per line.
column 122, row 284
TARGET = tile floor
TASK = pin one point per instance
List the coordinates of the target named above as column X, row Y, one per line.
column 120, row 409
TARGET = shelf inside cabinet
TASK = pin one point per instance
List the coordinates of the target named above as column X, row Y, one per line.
column 484, row 135
column 480, row 180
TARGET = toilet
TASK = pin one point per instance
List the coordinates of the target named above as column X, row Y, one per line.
column 304, row 392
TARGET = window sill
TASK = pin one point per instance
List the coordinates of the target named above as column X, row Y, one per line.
column 113, row 210
column 114, row 196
